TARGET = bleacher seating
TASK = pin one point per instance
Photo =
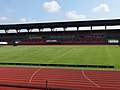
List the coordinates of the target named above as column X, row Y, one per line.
column 64, row 37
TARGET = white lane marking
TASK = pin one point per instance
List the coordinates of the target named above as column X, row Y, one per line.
column 30, row 80
column 89, row 79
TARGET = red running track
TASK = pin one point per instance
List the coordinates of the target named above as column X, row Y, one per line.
column 60, row 78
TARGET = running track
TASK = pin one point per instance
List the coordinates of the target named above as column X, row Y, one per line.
column 60, row 78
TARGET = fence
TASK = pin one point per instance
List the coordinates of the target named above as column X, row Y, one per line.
column 59, row 65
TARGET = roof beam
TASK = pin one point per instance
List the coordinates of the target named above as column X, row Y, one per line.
column 62, row 24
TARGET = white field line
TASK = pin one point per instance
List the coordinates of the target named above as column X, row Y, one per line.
column 89, row 79
column 30, row 80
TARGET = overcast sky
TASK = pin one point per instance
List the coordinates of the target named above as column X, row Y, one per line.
column 24, row 11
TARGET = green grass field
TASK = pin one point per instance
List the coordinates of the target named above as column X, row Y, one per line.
column 91, row 55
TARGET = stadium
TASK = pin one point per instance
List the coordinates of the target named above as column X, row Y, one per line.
column 60, row 59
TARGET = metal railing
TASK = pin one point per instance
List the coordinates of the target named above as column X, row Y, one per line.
column 59, row 65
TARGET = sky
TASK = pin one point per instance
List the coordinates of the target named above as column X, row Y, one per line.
column 32, row 11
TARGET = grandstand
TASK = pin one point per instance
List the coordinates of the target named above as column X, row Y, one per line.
column 45, row 75
column 78, row 36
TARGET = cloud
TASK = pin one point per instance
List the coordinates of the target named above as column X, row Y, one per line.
column 52, row 6
column 101, row 8
column 3, row 18
column 72, row 15
column 23, row 20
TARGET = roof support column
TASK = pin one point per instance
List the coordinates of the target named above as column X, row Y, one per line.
column 64, row 28
column 105, row 27
column 28, row 30
column 40, row 29
column 51, row 29
column 31, row 30
column 6, row 30
column 18, row 30
column 77, row 28
column 91, row 28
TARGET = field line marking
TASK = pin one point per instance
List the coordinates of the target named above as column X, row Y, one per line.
column 89, row 79
column 30, row 80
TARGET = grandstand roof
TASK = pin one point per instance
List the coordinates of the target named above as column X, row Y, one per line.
column 61, row 24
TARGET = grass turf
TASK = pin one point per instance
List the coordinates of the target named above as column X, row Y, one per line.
column 90, row 55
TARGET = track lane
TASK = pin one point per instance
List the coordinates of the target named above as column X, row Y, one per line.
column 65, row 78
